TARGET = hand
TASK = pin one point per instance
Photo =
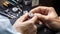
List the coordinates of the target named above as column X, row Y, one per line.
column 45, row 12
column 26, row 26
column 48, row 15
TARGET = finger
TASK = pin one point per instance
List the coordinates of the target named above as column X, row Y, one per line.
column 23, row 17
column 59, row 17
column 52, row 13
column 41, row 17
column 33, row 20
column 39, row 9
column 40, row 22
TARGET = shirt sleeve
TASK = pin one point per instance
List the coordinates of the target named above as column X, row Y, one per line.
column 19, row 33
column 6, row 26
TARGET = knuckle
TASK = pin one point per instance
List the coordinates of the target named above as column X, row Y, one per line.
column 51, row 8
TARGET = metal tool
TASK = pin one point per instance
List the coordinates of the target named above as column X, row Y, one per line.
column 8, row 15
column 19, row 1
column 25, row 11
column 7, row 10
column 35, row 3
column 6, row 3
column 19, row 8
column 2, row 1
column 15, row 9
column 15, row 1
column 27, row 2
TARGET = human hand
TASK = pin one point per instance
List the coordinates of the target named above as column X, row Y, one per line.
column 45, row 12
column 48, row 15
column 26, row 26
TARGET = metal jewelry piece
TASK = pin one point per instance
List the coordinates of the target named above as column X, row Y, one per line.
column 31, row 14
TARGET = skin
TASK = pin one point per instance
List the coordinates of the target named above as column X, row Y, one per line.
column 26, row 26
column 48, row 16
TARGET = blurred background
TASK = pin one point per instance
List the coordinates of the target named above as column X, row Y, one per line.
column 13, row 9
column 53, row 3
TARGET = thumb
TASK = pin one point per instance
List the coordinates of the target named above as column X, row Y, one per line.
column 23, row 17
column 32, row 20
